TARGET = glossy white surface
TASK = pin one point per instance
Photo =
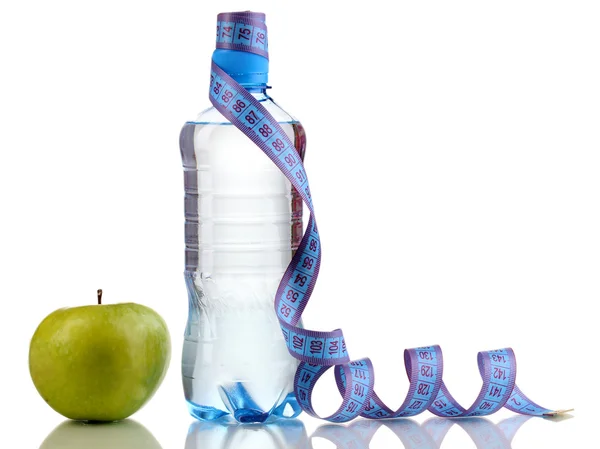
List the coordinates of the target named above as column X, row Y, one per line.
column 477, row 205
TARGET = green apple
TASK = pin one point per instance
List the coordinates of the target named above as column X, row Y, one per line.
column 126, row 434
column 99, row 362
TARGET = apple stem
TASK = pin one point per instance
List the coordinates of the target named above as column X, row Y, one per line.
column 99, row 296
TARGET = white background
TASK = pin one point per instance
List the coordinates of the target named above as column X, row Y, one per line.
column 453, row 158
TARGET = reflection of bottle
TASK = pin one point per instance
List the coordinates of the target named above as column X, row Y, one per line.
column 243, row 222
column 281, row 434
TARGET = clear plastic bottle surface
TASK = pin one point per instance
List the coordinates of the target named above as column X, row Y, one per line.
column 243, row 221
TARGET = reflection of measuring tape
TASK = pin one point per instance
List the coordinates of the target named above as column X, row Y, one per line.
column 428, row 435
column 319, row 351
column 291, row 434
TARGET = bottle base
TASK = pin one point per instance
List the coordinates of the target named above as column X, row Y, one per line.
column 289, row 408
column 204, row 413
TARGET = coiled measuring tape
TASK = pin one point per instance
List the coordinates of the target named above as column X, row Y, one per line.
column 318, row 351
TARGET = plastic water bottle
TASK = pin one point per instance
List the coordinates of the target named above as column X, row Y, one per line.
column 243, row 222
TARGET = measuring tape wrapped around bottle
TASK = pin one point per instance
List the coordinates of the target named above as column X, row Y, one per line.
column 319, row 351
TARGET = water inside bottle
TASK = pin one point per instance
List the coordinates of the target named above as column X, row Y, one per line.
column 243, row 222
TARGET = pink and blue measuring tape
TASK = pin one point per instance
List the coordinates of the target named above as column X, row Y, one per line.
column 319, row 351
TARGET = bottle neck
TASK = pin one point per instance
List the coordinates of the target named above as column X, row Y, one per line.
column 258, row 91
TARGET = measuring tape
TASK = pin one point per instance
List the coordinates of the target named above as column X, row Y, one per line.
column 318, row 351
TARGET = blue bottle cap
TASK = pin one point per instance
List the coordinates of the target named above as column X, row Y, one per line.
column 242, row 47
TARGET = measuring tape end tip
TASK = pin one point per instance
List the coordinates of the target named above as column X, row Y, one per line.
column 558, row 413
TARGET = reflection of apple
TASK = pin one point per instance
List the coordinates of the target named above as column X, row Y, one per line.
column 126, row 434
column 99, row 362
